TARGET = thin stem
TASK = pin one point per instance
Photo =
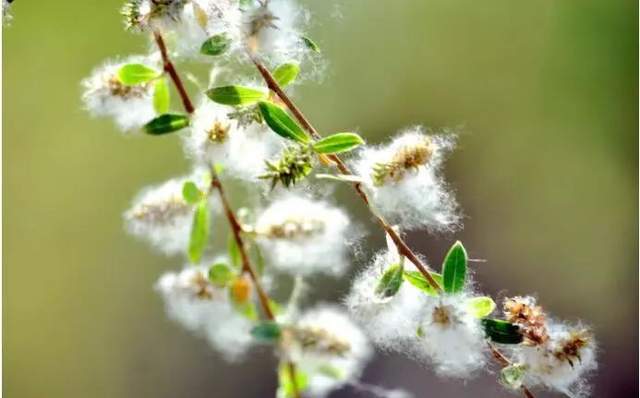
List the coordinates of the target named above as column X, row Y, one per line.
column 236, row 228
column 403, row 248
column 171, row 70
column 504, row 362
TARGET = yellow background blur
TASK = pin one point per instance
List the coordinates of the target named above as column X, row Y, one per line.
column 545, row 171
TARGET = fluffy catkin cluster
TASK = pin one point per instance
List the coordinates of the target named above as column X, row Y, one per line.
column 404, row 182
column 240, row 132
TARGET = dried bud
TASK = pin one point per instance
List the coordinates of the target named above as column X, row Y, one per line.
column 524, row 312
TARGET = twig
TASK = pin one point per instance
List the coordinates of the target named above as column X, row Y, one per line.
column 236, row 228
column 504, row 362
column 403, row 248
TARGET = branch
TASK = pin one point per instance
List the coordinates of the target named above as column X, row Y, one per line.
column 236, row 228
column 504, row 362
column 401, row 245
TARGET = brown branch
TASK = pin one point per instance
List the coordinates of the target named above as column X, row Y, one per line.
column 504, row 362
column 171, row 70
column 403, row 248
column 236, row 228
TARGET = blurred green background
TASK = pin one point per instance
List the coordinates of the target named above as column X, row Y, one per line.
column 546, row 172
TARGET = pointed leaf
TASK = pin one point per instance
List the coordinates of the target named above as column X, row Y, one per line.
column 233, row 251
column 235, row 95
column 390, row 282
column 418, row 280
column 132, row 74
column 480, row 307
column 337, row 143
column 286, row 387
column 199, row 231
column 161, row 96
column 281, row 123
column 286, row 73
column 454, row 269
column 220, row 274
column 311, row 45
column 501, row 332
column 340, row 177
column 167, row 123
column 190, row 193
column 267, row 331
column 215, row 45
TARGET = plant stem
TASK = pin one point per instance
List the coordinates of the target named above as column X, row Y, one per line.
column 504, row 362
column 236, row 228
column 171, row 70
column 403, row 248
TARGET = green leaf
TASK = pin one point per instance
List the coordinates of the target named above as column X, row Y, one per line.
column 512, row 376
column 215, row 45
column 337, row 143
column 330, row 371
column 267, row 332
column 132, row 74
column 311, row 45
column 190, row 193
column 167, row 123
column 233, row 251
column 454, row 269
column 501, row 332
column 235, row 95
column 480, row 307
column 418, row 280
column 199, row 231
column 286, row 73
column 281, row 123
column 220, row 274
column 286, row 386
column 390, row 282
column 161, row 96
column 247, row 309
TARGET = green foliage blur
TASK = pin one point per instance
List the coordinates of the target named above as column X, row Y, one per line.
column 546, row 172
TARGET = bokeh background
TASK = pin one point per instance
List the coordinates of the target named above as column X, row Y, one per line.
column 546, row 172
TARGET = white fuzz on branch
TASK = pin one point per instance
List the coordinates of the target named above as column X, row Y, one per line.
column 302, row 236
column 390, row 322
column 206, row 310
column 160, row 215
column 241, row 147
column 328, row 347
column 404, row 182
column 129, row 106
column 450, row 337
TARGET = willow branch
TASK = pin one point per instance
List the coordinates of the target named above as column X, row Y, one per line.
column 236, row 228
column 401, row 245
column 171, row 70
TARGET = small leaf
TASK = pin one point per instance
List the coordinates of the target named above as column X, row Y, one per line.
column 190, row 193
column 311, row 45
column 480, row 307
column 132, row 74
column 167, row 123
column 201, row 15
column 220, row 274
column 267, row 331
column 234, row 251
column 501, row 332
column 454, row 269
column 215, row 45
column 247, row 309
column 235, row 95
column 418, row 280
column 199, row 231
column 340, row 177
column 512, row 376
column 337, row 143
column 286, row 73
column 390, row 282
column 161, row 96
column 286, row 386
column 281, row 123
column 331, row 371
column 275, row 307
